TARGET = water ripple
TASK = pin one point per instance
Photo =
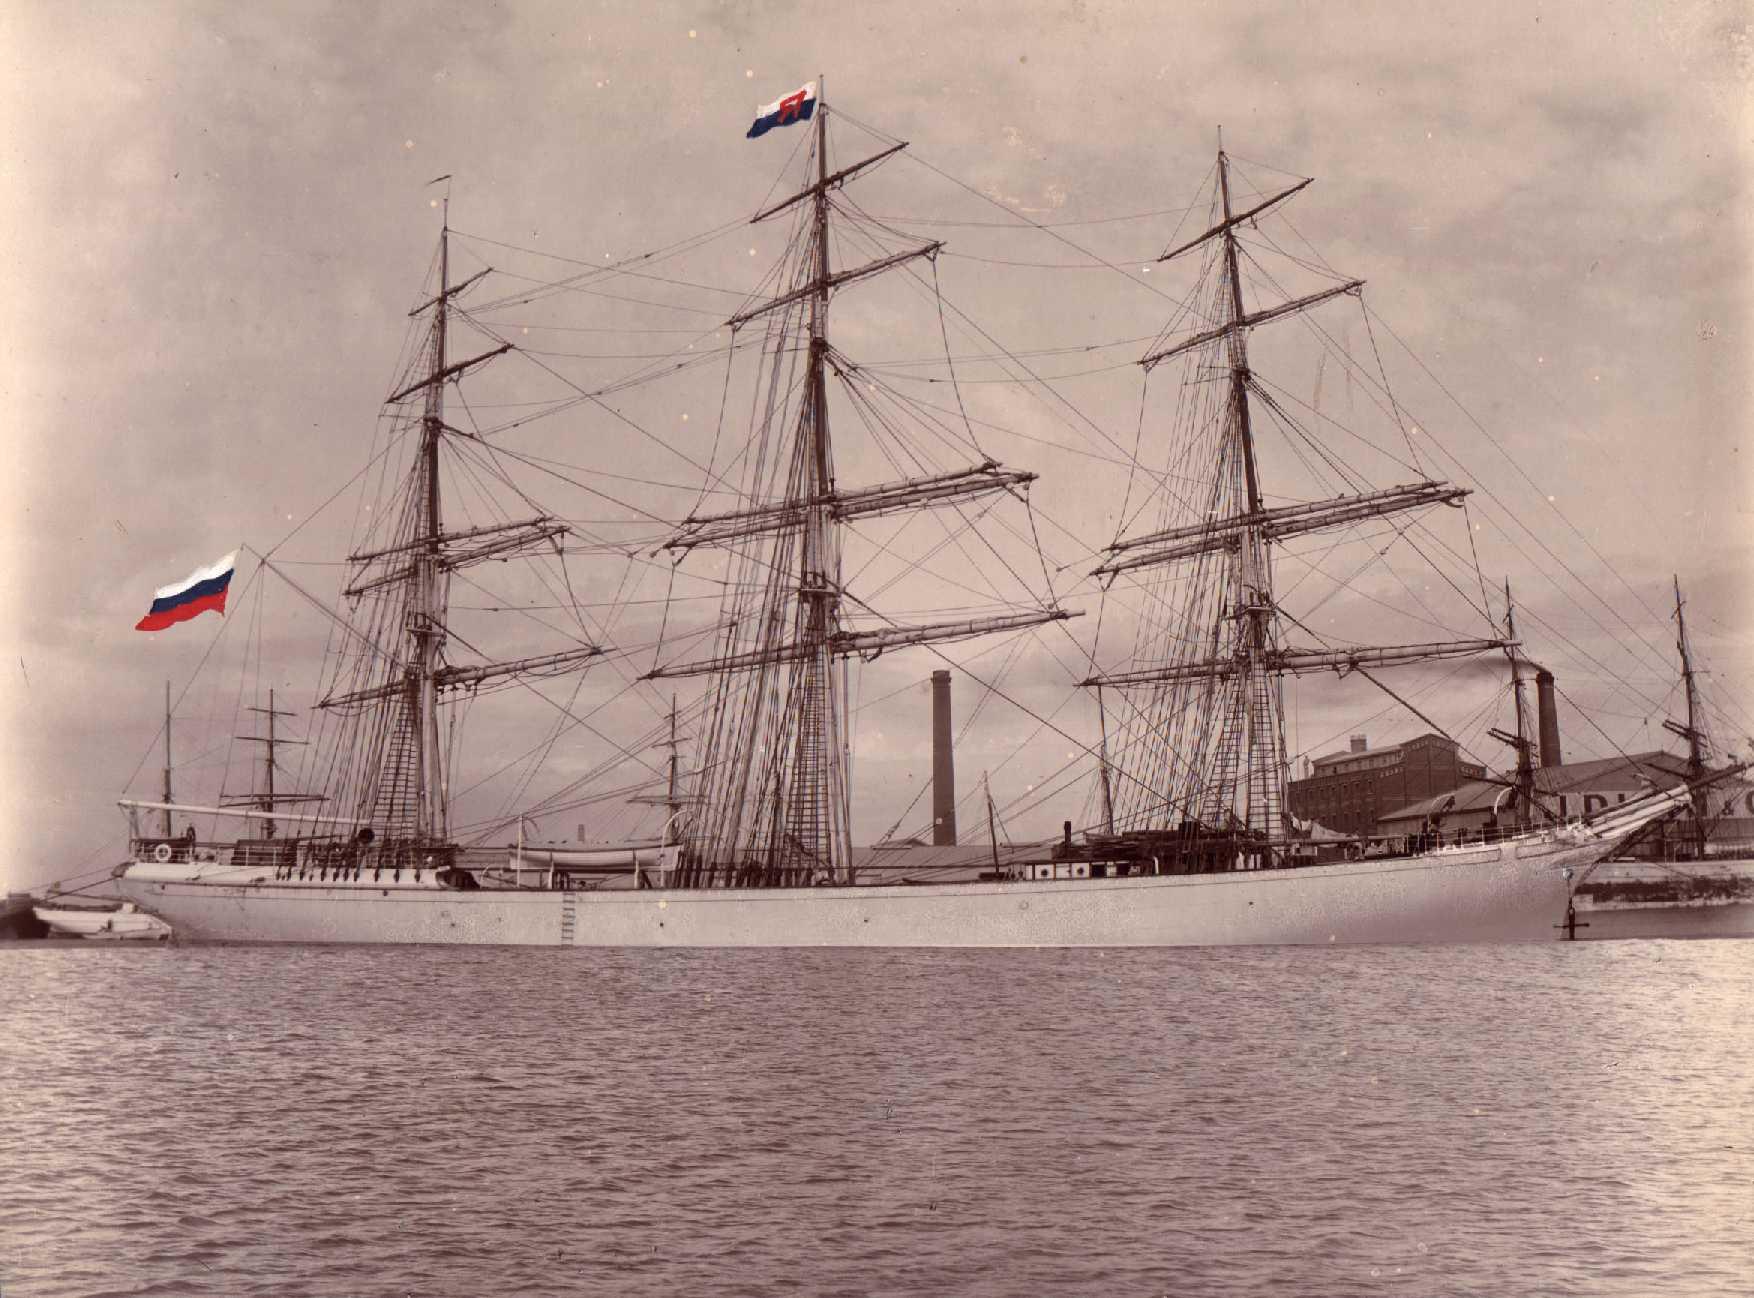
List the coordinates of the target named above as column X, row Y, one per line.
column 345, row 1121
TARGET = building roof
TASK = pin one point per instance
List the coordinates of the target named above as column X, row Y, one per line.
column 1662, row 769
column 1344, row 753
column 1469, row 795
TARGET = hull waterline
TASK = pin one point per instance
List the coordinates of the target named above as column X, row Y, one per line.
column 1666, row 920
column 1709, row 899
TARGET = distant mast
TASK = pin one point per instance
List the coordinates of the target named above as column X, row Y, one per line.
column 167, row 760
column 1691, row 731
column 269, row 743
column 1520, row 742
column 270, row 798
column 673, row 800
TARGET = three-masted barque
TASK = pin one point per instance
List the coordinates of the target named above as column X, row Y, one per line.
column 1196, row 845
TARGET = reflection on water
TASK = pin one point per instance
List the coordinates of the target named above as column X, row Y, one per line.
column 1565, row 1119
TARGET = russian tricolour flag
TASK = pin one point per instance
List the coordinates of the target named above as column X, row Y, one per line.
column 795, row 107
column 201, row 590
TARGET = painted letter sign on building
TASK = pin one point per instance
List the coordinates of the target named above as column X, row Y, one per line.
column 1733, row 799
column 1729, row 801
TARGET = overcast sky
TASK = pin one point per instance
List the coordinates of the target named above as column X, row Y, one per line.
column 216, row 217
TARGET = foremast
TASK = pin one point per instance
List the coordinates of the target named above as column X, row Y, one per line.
column 775, row 803
column 1219, row 757
column 1255, row 719
column 402, row 786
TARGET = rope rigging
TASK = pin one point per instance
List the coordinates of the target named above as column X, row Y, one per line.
column 780, row 720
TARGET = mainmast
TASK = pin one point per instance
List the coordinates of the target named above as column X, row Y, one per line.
column 817, row 823
column 780, row 808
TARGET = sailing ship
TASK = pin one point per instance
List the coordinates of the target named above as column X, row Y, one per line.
column 1696, row 887
column 1195, row 844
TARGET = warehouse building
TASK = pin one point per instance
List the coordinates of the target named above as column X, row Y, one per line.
column 1348, row 791
column 1580, row 789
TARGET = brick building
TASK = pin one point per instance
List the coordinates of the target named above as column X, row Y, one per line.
column 1348, row 791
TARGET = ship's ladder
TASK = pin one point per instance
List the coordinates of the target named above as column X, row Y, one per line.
column 569, row 901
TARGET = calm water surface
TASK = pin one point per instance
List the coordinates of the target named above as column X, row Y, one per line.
column 429, row 1121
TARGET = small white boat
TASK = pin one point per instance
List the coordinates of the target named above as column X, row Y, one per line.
column 122, row 922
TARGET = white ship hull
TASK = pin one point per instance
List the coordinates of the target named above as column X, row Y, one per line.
column 1510, row 892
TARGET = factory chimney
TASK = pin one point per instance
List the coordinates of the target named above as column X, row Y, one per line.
column 1360, row 744
column 943, row 765
column 1546, row 696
